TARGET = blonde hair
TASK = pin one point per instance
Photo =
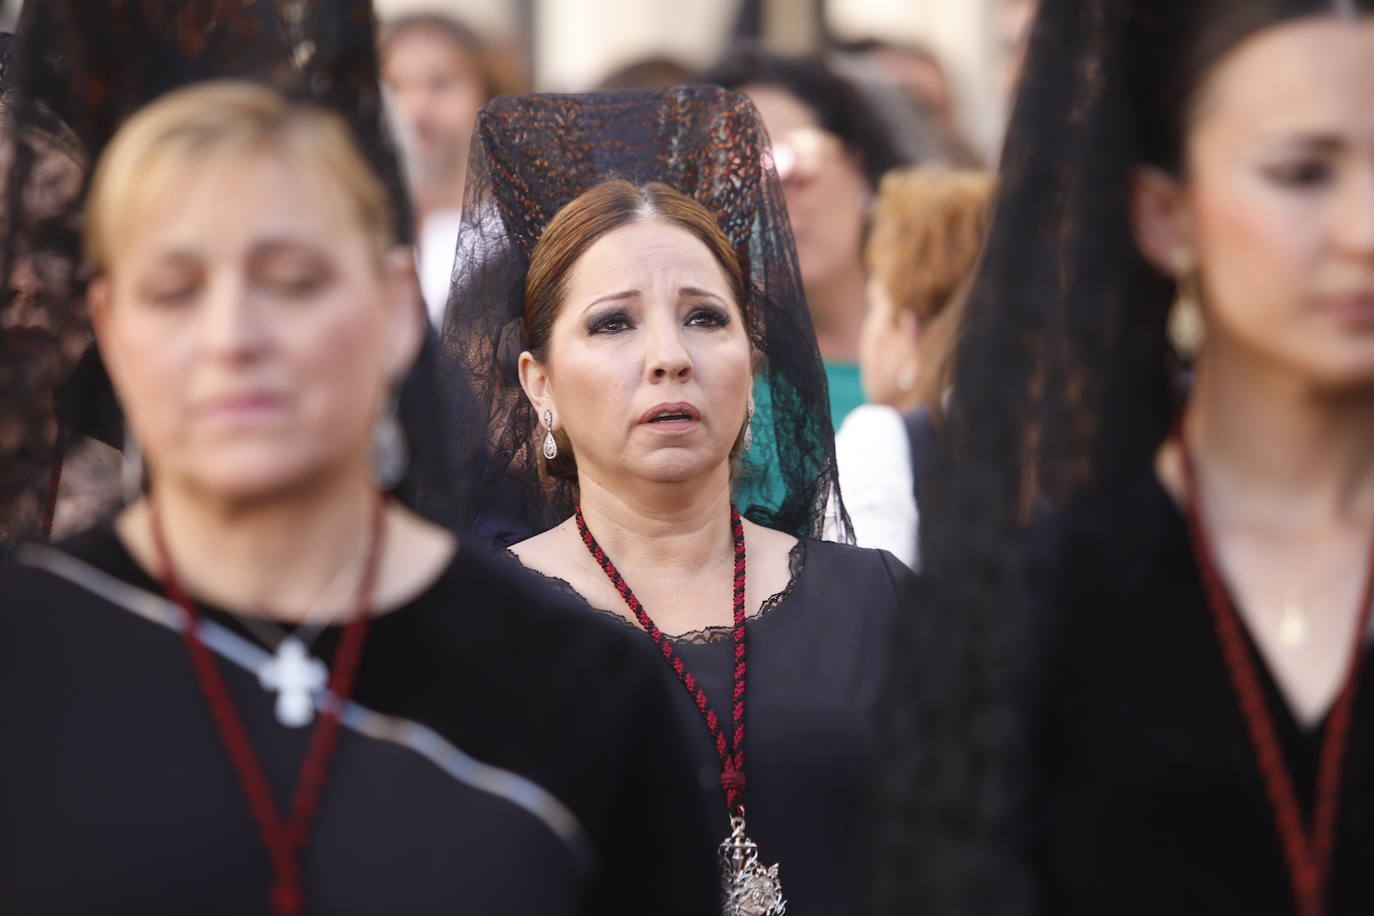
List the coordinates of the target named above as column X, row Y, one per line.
column 216, row 124
column 928, row 230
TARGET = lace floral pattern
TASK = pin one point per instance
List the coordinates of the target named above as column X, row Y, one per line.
column 796, row 562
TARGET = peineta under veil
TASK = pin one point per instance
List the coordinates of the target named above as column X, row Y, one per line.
column 1065, row 385
column 533, row 154
column 81, row 69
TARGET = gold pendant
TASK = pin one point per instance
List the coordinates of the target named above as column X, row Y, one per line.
column 750, row 889
column 1293, row 628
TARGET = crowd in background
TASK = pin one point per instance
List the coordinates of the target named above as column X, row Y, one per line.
column 422, row 493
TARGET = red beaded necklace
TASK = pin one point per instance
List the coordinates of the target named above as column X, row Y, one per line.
column 54, row 482
column 747, row 885
column 1307, row 851
column 731, row 754
column 285, row 840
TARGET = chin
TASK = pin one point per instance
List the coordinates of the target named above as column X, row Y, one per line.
column 677, row 468
column 254, row 479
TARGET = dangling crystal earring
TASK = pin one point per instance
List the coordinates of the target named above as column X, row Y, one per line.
column 390, row 453
column 131, row 471
column 748, row 428
column 1186, row 326
column 550, row 443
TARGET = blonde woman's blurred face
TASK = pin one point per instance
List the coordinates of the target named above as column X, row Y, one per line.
column 888, row 354
column 1279, row 200
column 649, row 366
column 251, row 328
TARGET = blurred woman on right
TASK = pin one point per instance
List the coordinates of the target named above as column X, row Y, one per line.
column 928, row 229
column 1153, row 577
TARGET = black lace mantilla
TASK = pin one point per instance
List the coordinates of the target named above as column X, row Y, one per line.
column 796, row 562
column 534, row 154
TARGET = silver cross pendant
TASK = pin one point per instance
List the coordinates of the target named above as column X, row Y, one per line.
column 296, row 677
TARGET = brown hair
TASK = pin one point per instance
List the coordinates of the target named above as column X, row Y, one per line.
column 928, row 230
column 602, row 209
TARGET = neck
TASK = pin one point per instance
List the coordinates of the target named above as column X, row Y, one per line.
column 1276, row 450
column 678, row 529
column 837, row 310
column 290, row 557
column 439, row 192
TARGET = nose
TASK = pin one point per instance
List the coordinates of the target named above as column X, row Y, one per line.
column 24, row 299
column 230, row 328
column 1354, row 225
column 666, row 355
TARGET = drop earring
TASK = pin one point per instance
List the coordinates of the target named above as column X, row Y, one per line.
column 1187, row 330
column 131, row 471
column 390, row 453
column 550, row 443
column 748, row 428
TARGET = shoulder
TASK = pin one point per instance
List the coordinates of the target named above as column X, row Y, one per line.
column 488, row 603
column 873, row 452
column 872, row 423
column 844, row 559
column 35, row 575
column 857, row 578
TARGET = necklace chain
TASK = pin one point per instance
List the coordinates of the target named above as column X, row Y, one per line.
column 1307, row 853
column 731, row 753
column 285, row 839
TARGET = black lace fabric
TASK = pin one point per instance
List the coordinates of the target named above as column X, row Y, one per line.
column 533, row 154
column 1063, row 383
column 1064, row 387
column 796, row 562
column 80, row 69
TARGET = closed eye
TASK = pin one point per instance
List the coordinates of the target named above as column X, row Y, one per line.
column 1305, row 173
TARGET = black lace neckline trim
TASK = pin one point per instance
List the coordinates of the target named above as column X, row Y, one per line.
column 796, row 561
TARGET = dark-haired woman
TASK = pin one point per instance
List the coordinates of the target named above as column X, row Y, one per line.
column 1169, row 710
column 641, row 325
column 831, row 151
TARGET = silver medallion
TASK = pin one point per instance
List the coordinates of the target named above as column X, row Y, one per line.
column 750, row 889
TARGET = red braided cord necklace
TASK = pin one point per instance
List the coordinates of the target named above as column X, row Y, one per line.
column 1307, row 852
column 54, row 482
column 731, row 754
column 285, row 840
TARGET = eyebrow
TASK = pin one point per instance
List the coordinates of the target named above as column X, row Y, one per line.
column 1315, row 142
column 700, row 293
column 268, row 247
column 613, row 297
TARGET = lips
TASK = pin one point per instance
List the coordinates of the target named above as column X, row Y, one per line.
column 1355, row 309
column 26, row 342
column 241, row 408
column 677, row 412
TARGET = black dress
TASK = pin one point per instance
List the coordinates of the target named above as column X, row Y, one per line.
column 817, row 655
column 503, row 753
column 1149, row 798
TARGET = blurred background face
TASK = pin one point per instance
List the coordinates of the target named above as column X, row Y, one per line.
column 825, row 187
column 438, row 90
column 1280, row 199
column 247, row 328
column 44, row 254
column 648, row 360
column 888, row 357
